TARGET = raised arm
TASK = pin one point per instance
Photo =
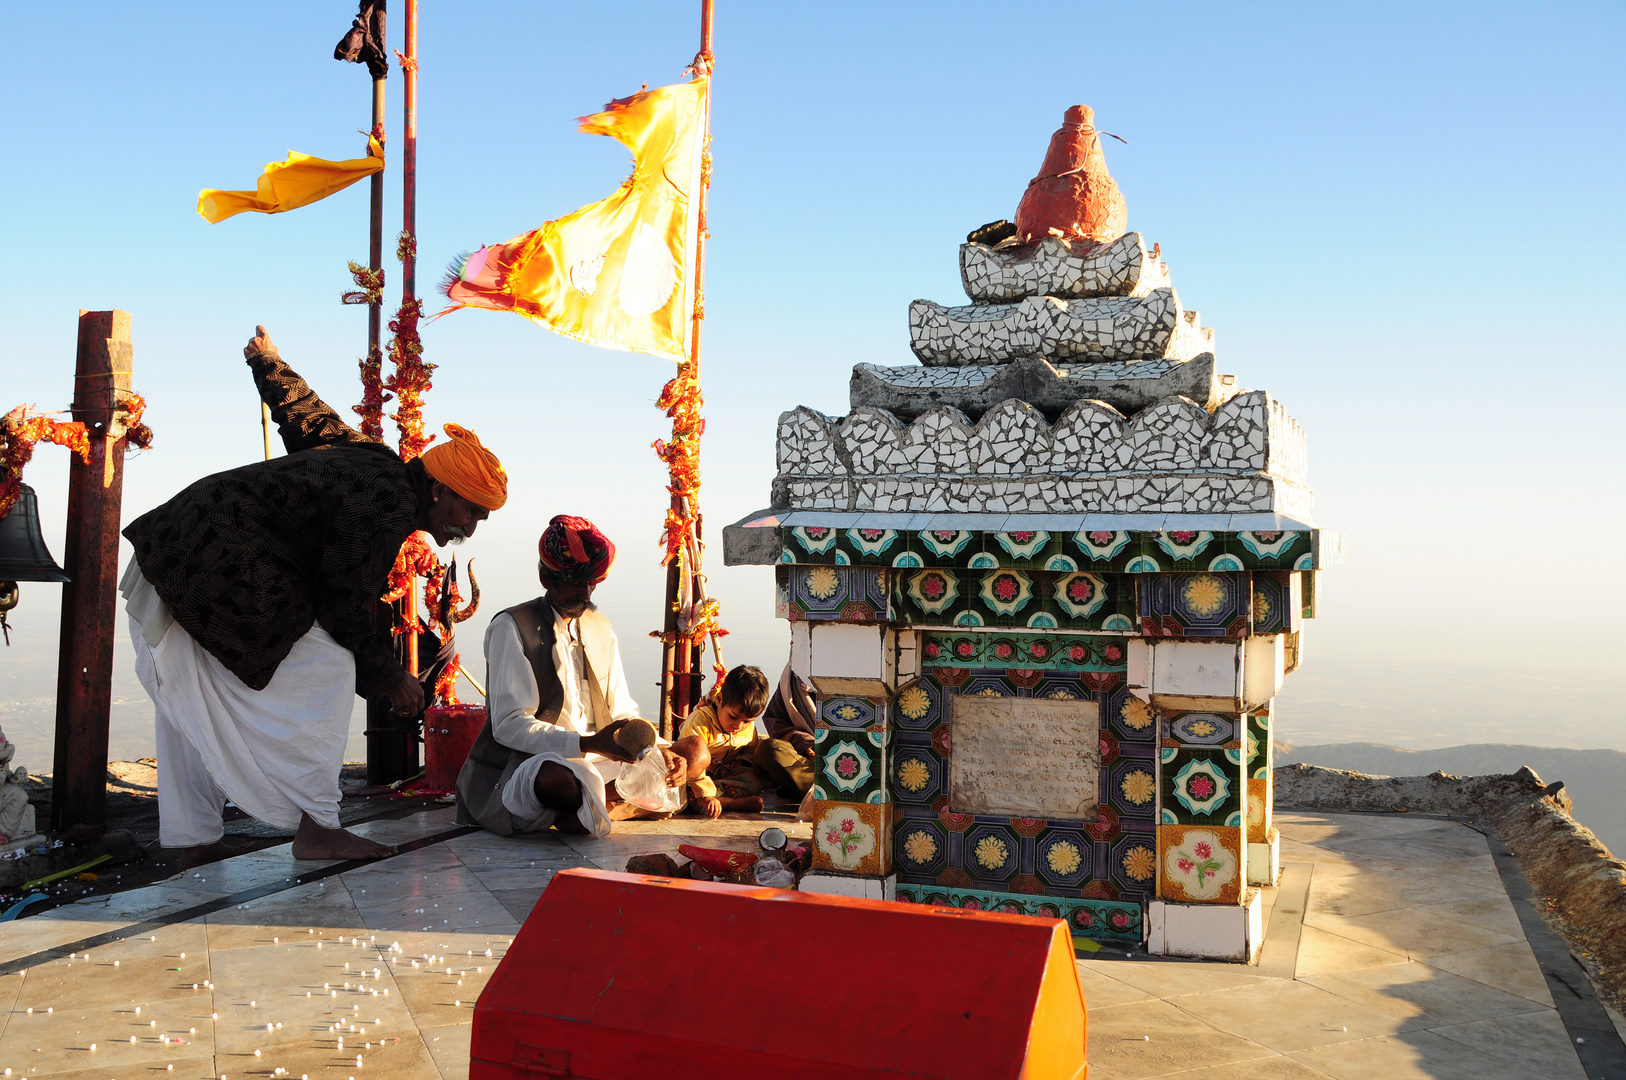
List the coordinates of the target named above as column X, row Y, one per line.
column 304, row 420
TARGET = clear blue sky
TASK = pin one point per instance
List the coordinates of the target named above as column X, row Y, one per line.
column 1403, row 220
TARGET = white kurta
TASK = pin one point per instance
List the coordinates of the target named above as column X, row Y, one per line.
column 512, row 700
column 276, row 752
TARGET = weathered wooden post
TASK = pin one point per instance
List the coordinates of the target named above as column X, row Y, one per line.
column 84, row 683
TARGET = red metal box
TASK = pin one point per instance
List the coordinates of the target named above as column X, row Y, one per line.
column 623, row 976
column 449, row 732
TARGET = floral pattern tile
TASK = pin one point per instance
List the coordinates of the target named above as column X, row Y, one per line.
column 852, row 712
column 1258, row 811
column 1259, row 750
column 1006, row 592
column 1020, row 547
column 1202, row 729
column 850, row 765
column 1205, row 604
column 1274, row 595
column 932, row 592
column 826, row 593
column 1201, row 786
column 851, row 838
column 1199, row 864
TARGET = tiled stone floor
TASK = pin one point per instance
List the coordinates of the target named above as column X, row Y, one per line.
column 1410, row 963
column 389, row 956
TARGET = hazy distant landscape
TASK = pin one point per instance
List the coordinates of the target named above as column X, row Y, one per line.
column 1589, row 775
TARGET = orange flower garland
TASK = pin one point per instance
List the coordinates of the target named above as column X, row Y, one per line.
column 446, row 682
column 410, row 380
column 139, row 434
column 414, row 561
column 369, row 285
column 682, row 401
column 369, row 290
column 371, row 409
column 20, row 430
column 407, row 385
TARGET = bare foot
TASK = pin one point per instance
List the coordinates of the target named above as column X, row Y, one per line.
column 625, row 811
column 194, row 857
column 314, row 842
column 748, row 804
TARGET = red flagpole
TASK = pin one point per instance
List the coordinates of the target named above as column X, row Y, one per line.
column 409, row 154
column 409, row 246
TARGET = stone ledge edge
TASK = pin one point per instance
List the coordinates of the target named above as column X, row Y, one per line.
column 1560, row 856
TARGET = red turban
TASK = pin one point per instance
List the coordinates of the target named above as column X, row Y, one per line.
column 574, row 550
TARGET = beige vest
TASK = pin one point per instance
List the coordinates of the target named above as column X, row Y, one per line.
column 490, row 763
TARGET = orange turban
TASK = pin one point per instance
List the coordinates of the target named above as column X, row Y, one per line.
column 468, row 468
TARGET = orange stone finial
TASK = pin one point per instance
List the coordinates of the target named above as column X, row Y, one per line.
column 1073, row 195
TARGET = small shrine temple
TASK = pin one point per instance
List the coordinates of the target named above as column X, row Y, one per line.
column 1046, row 584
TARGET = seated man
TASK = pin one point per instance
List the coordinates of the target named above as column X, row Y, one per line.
column 727, row 726
column 556, row 700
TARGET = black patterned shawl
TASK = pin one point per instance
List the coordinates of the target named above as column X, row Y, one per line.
column 248, row 559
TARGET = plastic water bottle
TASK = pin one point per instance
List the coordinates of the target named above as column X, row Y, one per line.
column 643, row 784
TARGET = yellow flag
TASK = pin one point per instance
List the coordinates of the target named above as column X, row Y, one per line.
column 288, row 185
column 618, row 273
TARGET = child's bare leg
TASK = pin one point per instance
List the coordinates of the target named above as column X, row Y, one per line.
column 741, row 804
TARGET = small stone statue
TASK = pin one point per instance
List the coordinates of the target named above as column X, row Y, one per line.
column 16, row 816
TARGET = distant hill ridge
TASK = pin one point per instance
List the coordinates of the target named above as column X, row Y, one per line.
column 1589, row 775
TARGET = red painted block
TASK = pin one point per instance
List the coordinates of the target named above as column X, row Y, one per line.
column 449, row 732
column 623, row 976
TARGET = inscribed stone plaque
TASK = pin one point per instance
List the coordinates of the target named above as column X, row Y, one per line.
column 1025, row 757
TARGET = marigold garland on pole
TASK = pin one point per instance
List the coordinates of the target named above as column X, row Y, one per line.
column 698, row 614
column 369, row 290
column 22, row 429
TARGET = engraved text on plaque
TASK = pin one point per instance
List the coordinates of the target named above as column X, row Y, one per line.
column 1026, row 757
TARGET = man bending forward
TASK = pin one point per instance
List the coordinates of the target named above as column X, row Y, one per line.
column 251, row 609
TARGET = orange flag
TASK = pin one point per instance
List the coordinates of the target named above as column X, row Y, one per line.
column 617, row 273
column 288, row 185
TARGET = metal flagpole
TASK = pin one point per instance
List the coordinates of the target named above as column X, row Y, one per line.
column 680, row 667
column 392, row 753
column 375, row 230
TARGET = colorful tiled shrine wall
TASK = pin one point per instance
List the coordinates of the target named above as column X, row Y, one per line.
column 1181, row 794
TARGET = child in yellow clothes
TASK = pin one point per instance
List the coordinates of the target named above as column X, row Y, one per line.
column 727, row 725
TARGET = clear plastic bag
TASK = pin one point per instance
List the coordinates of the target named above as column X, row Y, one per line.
column 773, row 874
column 643, row 784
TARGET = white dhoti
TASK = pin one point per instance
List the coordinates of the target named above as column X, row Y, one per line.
column 276, row 752
column 592, row 772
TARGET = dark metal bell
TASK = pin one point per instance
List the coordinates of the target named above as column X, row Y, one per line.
column 23, row 554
